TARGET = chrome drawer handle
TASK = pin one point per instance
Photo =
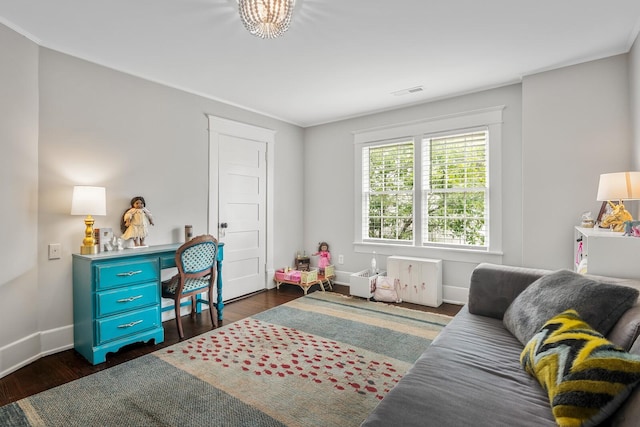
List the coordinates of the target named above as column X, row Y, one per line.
column 130, row 273
column 130, row 299
column 128, row 325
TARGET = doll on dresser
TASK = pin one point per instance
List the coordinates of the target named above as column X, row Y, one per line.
column 135, row 221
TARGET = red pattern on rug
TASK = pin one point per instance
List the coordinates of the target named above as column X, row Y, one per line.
column 258, row 348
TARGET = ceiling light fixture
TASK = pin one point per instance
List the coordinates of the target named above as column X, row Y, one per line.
column 266, row 19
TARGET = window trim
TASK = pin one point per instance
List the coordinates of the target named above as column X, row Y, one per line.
column 491, row 119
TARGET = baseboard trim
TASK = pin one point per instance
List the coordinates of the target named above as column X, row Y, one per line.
column 27, row 350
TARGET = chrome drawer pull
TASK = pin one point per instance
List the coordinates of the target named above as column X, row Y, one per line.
column 130, row 299
column 130, row 273
column 128, row 325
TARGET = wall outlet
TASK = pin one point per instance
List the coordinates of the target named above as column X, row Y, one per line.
column 55, row 250
column 340, row 259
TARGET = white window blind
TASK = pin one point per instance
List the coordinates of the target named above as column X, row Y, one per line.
column 455, row 189
column 387, row 191
column 450, row 204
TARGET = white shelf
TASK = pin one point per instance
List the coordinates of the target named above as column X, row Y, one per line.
column 608, row 253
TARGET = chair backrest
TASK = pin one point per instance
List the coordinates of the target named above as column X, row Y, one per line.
column 197, row 257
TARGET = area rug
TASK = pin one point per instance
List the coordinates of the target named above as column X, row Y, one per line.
column 321, row 360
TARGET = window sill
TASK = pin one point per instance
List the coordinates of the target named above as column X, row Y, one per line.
column 445, row 254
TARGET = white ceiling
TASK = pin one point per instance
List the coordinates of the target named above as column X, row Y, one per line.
column 340, row 58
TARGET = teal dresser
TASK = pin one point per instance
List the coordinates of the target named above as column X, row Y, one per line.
column 116, row 298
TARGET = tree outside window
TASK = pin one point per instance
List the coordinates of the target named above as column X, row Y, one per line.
column 455, row 186
column 388, row 191
column 454, row 190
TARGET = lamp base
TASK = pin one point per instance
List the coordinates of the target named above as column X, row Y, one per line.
column 89, row 250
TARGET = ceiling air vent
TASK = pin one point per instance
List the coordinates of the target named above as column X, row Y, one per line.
column 408, row 91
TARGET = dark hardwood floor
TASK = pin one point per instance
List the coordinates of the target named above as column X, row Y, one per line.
column 60, row 368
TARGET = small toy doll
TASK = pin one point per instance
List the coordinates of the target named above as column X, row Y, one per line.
column 135, row 221
column 325, row 256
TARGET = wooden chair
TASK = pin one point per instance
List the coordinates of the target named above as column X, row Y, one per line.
column 196, row 263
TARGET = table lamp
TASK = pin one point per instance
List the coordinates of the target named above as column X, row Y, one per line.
column 88, row 201
column 619, row 186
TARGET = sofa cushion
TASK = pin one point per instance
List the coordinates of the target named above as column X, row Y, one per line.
column 493, row 287
column 469, row 376
column 586, row 376
column 562, row 290
column 627, row 329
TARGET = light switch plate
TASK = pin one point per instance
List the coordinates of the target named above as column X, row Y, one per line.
column 55, row 250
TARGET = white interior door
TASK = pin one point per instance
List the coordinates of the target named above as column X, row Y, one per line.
column 241, row 214
column 238, row 203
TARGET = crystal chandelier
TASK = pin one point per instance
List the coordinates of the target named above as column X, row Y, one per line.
column 266, row 18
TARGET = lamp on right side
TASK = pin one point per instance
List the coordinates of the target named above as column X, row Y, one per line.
column 618, row 186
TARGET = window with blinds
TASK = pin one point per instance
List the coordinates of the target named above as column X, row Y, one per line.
column 452, row 181
column 432, row 186
column 455, row 192
column 387, row 191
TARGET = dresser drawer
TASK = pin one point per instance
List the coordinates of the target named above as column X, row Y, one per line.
column 167, row 261
column 114, row 275
column 124, row 299
column 114, row 327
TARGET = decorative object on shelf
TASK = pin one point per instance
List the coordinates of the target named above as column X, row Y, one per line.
column 104, row 236
column 616, row 219
column 188, row 232
column 88, row 200
column 587, row 220
column 617, row 186
column 266, row 18
column 632, row 228
column 325, row 256
column 135, row 222
column 117, row 243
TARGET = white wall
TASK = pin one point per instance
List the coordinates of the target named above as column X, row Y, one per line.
column 634, row 82
column 329, row 184
column 576, row 126
column 102, row 127
column 19, row 195
column 562, row 128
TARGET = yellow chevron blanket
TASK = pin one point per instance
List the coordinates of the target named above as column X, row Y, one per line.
column 586, row 376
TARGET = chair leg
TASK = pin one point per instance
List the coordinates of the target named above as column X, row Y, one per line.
column 176, row 304
column 213, row 323
column 194, row 306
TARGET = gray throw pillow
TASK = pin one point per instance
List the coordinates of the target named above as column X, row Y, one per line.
column 598, row 304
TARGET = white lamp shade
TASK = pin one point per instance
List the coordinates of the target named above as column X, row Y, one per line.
column 619, row 186
column 88, row 200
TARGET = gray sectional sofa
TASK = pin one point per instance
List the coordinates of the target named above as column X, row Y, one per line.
column 471, row 374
